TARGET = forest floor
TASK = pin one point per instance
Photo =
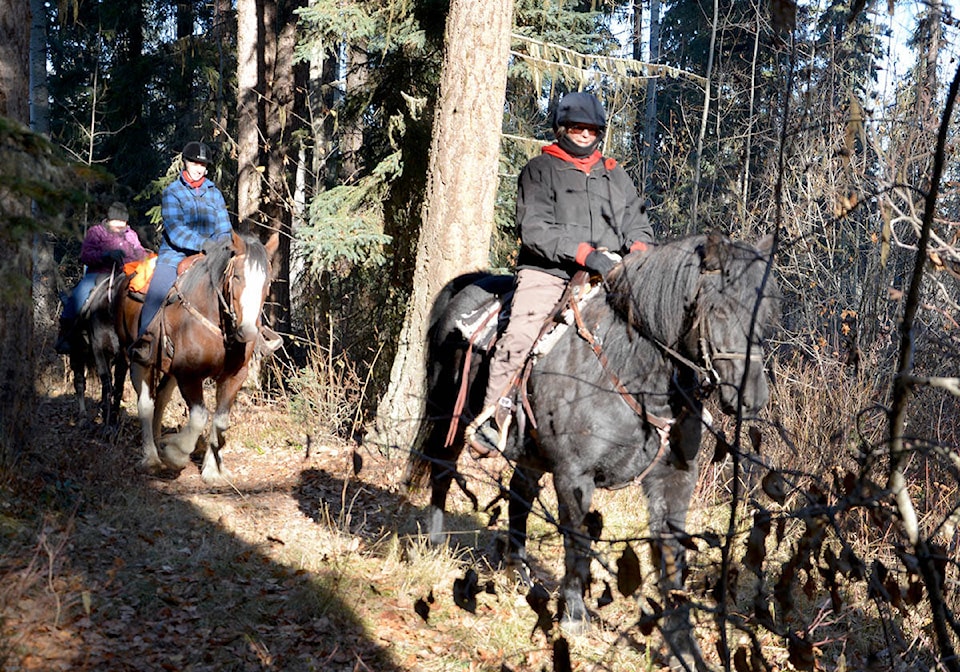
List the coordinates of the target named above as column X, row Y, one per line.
column 310, row 560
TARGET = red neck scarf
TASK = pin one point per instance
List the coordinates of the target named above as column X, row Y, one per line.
column 584, row 164
column 186, row 178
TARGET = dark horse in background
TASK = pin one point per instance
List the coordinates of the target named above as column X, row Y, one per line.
column 209, row 327
column 94, row 345
column 616, row 400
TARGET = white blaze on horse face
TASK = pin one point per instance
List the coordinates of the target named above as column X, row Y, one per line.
column 251, row 300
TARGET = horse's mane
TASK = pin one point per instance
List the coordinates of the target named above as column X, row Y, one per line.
column 208, row 272
column 652, row 288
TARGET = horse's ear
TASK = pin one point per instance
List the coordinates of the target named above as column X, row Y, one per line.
column 273, row 242
column 711, row 252
column 237, row 241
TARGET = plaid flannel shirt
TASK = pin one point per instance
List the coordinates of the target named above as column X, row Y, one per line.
column 191, row 217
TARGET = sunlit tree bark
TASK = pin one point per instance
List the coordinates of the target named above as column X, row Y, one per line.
column 458, row 209
column 248, row 115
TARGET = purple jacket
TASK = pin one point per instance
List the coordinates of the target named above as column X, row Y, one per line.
column 99, row 241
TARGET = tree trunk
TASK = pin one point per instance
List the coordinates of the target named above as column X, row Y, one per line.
column 650, row 114
column 352, row 138
column 692, row 225
column 182, row 78
column 249, row 45
column 285, row 111
column 458, row 208
column 16, row 318
column 45, row 298
column 39, row 94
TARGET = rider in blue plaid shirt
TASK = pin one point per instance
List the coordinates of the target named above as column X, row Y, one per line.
column 194, row 213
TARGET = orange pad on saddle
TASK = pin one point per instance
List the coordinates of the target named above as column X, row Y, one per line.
column 142, row 271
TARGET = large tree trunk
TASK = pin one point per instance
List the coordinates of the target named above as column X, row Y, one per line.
column 45, row 298
column 458, row 209
column 352, row 138
column 16, row 318
column 39, row 94
column 249, row 42
column 285, row 112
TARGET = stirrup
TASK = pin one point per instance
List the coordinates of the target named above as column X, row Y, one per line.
column 501, row 413
column 268, row 341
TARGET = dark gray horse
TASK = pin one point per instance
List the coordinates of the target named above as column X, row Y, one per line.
column 616, row 400
column 94, row 345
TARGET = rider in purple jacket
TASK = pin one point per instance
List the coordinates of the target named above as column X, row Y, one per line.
column 194, row 213
column 106, row 247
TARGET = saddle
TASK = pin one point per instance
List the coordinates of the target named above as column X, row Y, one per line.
column 481, row 327
column 141, row 272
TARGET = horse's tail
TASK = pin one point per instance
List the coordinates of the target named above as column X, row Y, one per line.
column 442, row 339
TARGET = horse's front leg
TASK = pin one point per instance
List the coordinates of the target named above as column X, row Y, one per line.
column 524, row 488
column 213, row 471
column 79, row 368
column 178, row 448
column 119, row 375
column 105, row 372
column 668, row 490
column 150, row 404
column 574, row 496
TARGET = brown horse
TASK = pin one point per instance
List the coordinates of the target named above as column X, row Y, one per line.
column 208, row 328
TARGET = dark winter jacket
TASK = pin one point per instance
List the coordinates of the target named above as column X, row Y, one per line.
column 568, row 207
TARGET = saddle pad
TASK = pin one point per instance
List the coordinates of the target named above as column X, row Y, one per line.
column 480, row 325
column 142, row 271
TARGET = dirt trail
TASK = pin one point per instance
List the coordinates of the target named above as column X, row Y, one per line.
column 126, row 571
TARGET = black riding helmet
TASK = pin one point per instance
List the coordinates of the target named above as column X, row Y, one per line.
column 197, row 152
column 579, row 108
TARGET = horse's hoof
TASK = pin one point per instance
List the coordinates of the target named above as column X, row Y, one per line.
column 575, row 626
column 520, row 570
column 214, row 477
column 173, row 457
column 150, row 466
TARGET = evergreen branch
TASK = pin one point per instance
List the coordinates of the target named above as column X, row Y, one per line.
column 619, row 68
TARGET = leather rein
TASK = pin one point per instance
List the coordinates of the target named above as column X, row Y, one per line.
column 226, row 306
column 708, row 371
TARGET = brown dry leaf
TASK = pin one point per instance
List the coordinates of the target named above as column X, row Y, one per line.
column 886, row 234
column 628, row 572
column 775, row 487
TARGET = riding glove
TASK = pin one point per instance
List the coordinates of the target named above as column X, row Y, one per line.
column 113, row 257
column 601, row 262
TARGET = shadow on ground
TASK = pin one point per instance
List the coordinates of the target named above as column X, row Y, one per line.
column 105, row 572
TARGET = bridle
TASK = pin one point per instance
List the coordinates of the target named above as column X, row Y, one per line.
column 227, row 311
column 706, row 349
column 707, row 371
column 228, row 315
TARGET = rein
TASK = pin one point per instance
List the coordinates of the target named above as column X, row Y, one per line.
column 662, row 424
column 225, row 306
column 707, row 351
